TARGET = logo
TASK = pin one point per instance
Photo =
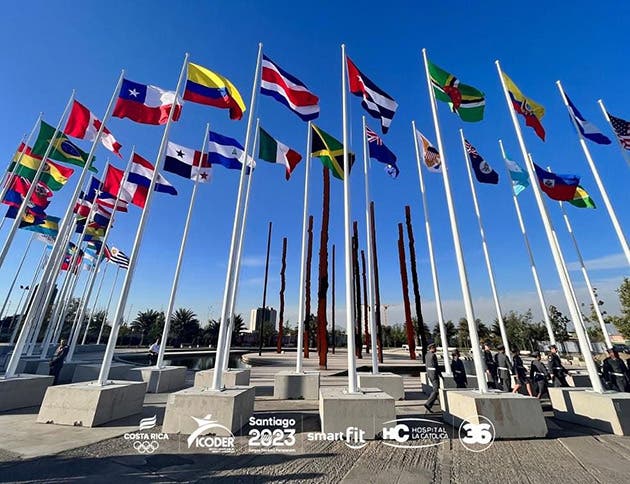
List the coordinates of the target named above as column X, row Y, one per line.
column 549, row 182
column 477, row 437
column 484, row 167
column 214, row 443
column 414, row 433
column 146, row 442
column 353, row 437
column 272, row 434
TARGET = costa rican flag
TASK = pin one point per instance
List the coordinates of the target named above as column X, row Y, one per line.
column 288, row 90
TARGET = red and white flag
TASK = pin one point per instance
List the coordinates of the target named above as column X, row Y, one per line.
column 83, row 124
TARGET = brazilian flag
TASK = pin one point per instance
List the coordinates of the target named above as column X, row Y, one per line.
column 63, row 149
column 329, row 151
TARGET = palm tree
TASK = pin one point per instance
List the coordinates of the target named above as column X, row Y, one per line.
column 184, row 326
column 149, row 322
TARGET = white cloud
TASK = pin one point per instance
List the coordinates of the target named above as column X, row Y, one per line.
column 610, row 261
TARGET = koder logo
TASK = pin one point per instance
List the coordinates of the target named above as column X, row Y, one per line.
column 213, row 443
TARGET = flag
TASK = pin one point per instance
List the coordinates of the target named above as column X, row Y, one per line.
column 40, row 196
column 187, row 162
column 67, row 260
column 557, row 187
column 622, row 130
column 466, row 101
column 530, row 110
column 145, row 103
column 83, row 124
column 288, row 90
column 63, row 149
column 483, row 171
column 54, row 176
column 582, row 199
column 48, row 226
column 520, row 178
column 381, row 153
column 329, row 151
column 117, row 256
column 46, row 239
column 430, row 155
column 206, row 87
column 377, row 102
column 586, row 128
column 271, row 150
column 226, row 151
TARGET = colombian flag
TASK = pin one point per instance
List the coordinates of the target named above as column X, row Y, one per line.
column 206, row 87
column 530, row 110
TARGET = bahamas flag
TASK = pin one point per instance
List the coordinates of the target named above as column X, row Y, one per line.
column 49, row 226
column 206, row 87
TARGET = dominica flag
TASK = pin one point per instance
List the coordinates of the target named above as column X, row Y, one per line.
column 63, row 149
column 271, row 150
column 466, row 101
column 582, row 199
column 329, row 151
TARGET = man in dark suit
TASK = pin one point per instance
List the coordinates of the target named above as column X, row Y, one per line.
column 433, row 372
column 558, row 371
column 459, row 372
column 56, row 363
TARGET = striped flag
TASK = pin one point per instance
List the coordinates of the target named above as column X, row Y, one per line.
column 288, row 90
column 117, row 256
column 622, row 130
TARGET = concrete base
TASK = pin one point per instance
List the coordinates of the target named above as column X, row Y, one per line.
column 446, row 381
column 88, row 372
column 389, row 383
column 89, row 405
column 231, row 408
column 160, row 380
column 514, row 416
column 367, row 411
column 579, row 380
column 23, row 391
column 30, row 365
column 67, row 370
column 232, row 377
column 289, row 385
column 608, row 411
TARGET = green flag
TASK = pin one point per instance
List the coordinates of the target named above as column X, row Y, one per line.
column 582, row 199
column 63, row 149
column 271, row 150
column 329, row 151
column 467, row 101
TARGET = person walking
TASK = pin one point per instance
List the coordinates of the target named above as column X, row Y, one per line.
column 539, row 374
column 433, row 373
column 491, row 367
column 520, row 371
column 154, row 350
column 558, row 371
column 615, row 372
column 57, row 360
column 504, row 369
column 459, row 372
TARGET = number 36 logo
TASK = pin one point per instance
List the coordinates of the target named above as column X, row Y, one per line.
column 477, row 437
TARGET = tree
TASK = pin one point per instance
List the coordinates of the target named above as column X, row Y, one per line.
column 482, row 330
column 559, row 324
column 185, row 327
column 593, row 327
column 622, row 322
column 238, row 328
column 148, row 323
column 210, row 334
column 463, row 335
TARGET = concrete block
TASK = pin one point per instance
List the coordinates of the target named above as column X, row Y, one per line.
column 367, row 410
column 29, row 364
column 289, row 385
column 87, row 372
column 514, row 416
column 231, row 408
column 66, row 373
column 609, row 411
column 23, row 391
column 160, row 380
column 232, row 377
column 87, row 404
column 579, row 380
column 389, row 383
column 447, row 381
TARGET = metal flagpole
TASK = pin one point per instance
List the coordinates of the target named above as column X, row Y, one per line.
column 109, row 302
column 301, row 309
column 434, row 275
column 224, row 325
column 542, row 208
column 180, row 258
column 124, row 293
column 17, row 273
column 98, row 293
column 461, row 266
column 539, row 291
column 486, row 253
column 623, row 151
column 598, row 180
column 353, row 386
column 370, row 274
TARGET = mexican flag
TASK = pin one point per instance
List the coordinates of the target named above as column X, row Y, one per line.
column 467, row 101
column 271, row 150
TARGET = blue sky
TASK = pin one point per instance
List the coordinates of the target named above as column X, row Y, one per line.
column 84, row 45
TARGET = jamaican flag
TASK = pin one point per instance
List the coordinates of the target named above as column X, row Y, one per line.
column 329, row 151
column 63, row 149
column 467, row 101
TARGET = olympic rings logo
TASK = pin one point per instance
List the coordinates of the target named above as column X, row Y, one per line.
column 145, row 447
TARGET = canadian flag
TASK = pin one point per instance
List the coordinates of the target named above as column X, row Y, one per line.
column 83, row 124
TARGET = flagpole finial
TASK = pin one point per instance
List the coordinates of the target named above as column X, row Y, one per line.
column 496, row 63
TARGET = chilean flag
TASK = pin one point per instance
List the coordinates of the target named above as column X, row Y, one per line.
column 83, row 124
column 145, row 103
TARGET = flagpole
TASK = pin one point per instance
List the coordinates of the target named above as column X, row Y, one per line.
column 434, row 275
column 461, row 266
column 301, row 292
column 539, row 291
column 17, row 272
column 353, row 386
column 217, row 378
column 370, row 274
column 180, row 257
column 542, row 208
column 98, row 293
column 598, row 180
column 124, row 293
column 484, row 245
column 109, row 302
column 621, row 148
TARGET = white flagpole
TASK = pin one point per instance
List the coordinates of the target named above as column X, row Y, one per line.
column 566, row 287
column 539, row 291
column 17, row 273
column 217, row 378
column 598, row 180
column 370, row 275
column 239, row 252
column 353, row 386
column 623, row 150
column 459, row 255
column 124, row 293
column 109, row 302
column 486, row 253
column 98, row 293
column 301, row 292
column 180, row 258
column 436, row 285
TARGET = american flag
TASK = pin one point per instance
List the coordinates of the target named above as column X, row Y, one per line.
column 622, row 130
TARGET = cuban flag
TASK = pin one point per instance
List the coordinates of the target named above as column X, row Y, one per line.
column 586, row 128
column 381, row 153
column 145, row 103
column 288, row 90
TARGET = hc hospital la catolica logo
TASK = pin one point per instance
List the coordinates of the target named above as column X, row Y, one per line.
column 213, row 443
column 414, row 433
column 143, row 441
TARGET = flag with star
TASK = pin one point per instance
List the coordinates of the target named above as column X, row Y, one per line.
column 63, row 149
column 187, row 162
column 622, row 130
